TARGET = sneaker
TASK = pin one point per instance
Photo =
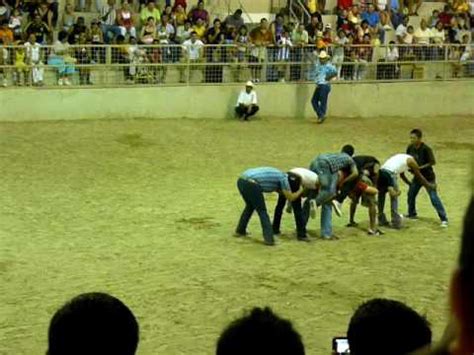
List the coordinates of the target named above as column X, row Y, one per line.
column 60, row 82
column 352, row 224
column 304, row 239
column 444, row 224
column 312, row 209
column 331, row 237
column 269, row 243
column 67, row 82
column 411, row 216
column 376, row 232
column 337, row 207
column 4, row 83
column 241, row 235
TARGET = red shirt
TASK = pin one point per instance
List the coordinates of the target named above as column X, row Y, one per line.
column 344, row 4
column 445, row 18
column 180, row 2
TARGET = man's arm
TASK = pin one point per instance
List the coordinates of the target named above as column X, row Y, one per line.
column 292, row 196
column 416, row 171
column 353, row 174
column 405, row 179
column 431, row 159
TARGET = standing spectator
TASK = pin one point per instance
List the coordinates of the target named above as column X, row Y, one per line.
column 247, row 104
column 33, row 59
column 180, row 16
column 235, row 20
column 438, row 37
column 150, row 11
column 20, row 75
column 401, row 30
column 338, row 51
column 4, row 58
column 93, row 323
column 300, row 40
column 192, row 55
column 424, row 157
column 6, row 34
column 390, row 70
column 45, row 13
column 69, row 18
column 183, row 33
column 363, row 56
column 422, row 38
column 213, row 37
column 16, row 24
column 283, row 55
column 108, row 17
column 324, row 73
column 78, row 29
column 39, row 28
column 199, row 13
column 97, row 38
column 312, row 29
column 148, row 33
column 125, row 20
column 344, row 5
column 252, row 184
column 277, row 27
column 166, row 35
column 260, row 38
column 200, row 28
column 416, row 4
column 446, row 15
column 83, row 56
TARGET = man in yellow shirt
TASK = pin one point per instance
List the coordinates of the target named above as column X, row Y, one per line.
column 150, row 11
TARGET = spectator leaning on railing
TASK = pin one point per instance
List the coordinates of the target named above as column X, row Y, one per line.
column 192, row 54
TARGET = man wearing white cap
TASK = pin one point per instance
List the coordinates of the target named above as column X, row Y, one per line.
column 325, row 71
column 247, row 102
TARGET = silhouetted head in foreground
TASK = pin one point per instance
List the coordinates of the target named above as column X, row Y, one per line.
column 260, row 332
column 382, row 326
column 93, row 324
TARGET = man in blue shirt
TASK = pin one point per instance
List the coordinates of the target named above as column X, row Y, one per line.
column 252, row 184
column 325, row 71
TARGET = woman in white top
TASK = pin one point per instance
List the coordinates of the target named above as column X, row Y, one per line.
column 125, row 20
column 438, row 37
column 422, row 37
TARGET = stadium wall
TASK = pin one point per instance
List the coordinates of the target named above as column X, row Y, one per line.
column 216, row 102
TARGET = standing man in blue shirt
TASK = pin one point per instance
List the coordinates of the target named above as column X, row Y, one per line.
column 252, row 184
column 325, row 71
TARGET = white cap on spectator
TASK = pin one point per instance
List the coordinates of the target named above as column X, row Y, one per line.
column 323, row 55
column 249, row 83
column 3, row 10
column 328, row 26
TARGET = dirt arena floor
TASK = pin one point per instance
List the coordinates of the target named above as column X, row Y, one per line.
column 145, row 210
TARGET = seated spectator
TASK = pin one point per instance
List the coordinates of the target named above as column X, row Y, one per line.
column 363, row 29
column 78, row 29
column 83, row 56
column 87, row 8
column 181, row 3
column 15, row 23
column 199, row 13
column 461, row 7
column 180, row 16
column 434, row 19
column 401, row 30
column 416, row 4
column 344, row 5
column 93, row 323
column 148, row 33
column 200, row 28
column 462, row 289
column 446, row 15
column 235, row 20
column 69, row 18
column 39, row 28
column 20, row 75
column 97, row 38
column 260, row 332
column 183, row 33
column 150, row 11
column 388, row 327
column 311, row 6
column 312, row 28
column 371, row 16
column 108, row 19
column 125, row 20
column 422, row 37
column 168, row 11
column 61, row 59
column 45, row 13
column 6, row 33
column 354, row 15
column 166, row 34
column 438, row 37
column 343, row 21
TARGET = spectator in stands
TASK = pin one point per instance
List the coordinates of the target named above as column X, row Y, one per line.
column 78, row 29
column 150, row 11
column 235, row 20
column 363, row 29
column 387, row 326
column 438, row 37
column 373, row 19
column 83, row 8
column 108, row 19
column 390, row 69
column 446, row 15
column 69, row 18
column 277, row 27
column 354, row 15
column 199, row 13
column 213, row 37
column 4, row 60
column 20, row 74
column 62, row 60
column 260, row 38
column 200, row 28
column 338, row 51
column 300, row 40
column 363, row 57
column 401, row 30
column 171, row 15
column 6, row 33
column 192, row 54
column 260, row 332
column 148, row 33
column 247, row 104
column 34, row 59
column 45, row 13
column 125, row 20
column 343, row 21
column 93, row 323
column 422, row 37
column 181, row 3
column 434, row 19
column 39, row 28
column 180, row 16
column 344, row 5
column 283, row 55
column 183, row 33
column 83, row 56
column 15, row 23
column 166, row 34
column 416, row 4
column 312, row 28
column 97, row 38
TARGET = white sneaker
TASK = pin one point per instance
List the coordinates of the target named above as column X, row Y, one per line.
column 444, row 224
column 387, row 28
column 60, row 82
column 337, row 207
column 4, row 83
column 67, row 82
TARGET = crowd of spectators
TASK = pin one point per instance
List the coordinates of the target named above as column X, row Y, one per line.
column 187, row 34
column 98, row 323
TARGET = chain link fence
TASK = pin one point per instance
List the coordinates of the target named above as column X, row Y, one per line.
column 195, row 63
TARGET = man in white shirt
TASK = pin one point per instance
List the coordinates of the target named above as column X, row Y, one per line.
column 108, row 21
column 247, row 102
column 33, row 57
column 398, row 164
column 192, row 53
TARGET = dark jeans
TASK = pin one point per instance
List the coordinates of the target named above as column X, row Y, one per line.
column 435, row 200
column 242, row 111
column 346, row 189
column 254, row 201
column 298, row 213
column 320, row 99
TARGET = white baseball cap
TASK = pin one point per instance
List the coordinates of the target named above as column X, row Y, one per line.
column 249, row 83
column 323, row 55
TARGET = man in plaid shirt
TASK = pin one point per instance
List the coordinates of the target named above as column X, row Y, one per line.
column 328, row 166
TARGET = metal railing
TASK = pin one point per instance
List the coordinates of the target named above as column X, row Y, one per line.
column 140, row 65
column 298, row 11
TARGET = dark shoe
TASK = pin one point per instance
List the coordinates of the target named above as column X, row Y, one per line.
column 241, row 235
column 352, row 224
column 384, row 223
column 269, row 243
column 304, row 239
column 276, row 232
column 395, row 226
column 376, row 232
column 411, row 216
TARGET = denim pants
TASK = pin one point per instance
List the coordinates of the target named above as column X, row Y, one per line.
column 395, row 216
column 433, row 194
column 110, row 29
column 327, row 179
column 320, row 99
column 253, row 196
column 297, row 212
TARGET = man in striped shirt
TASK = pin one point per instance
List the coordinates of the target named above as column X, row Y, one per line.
column 252, row 184
column 328, row 166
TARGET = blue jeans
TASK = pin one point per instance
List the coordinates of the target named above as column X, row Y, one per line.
column 320, row 100
column 327, row 179
column 326, row 220
column 435, row 200
column 110, row 32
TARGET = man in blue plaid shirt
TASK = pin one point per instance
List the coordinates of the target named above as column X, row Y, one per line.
column 328, row 166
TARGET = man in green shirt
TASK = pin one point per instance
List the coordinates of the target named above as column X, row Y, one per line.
column 150, row 11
